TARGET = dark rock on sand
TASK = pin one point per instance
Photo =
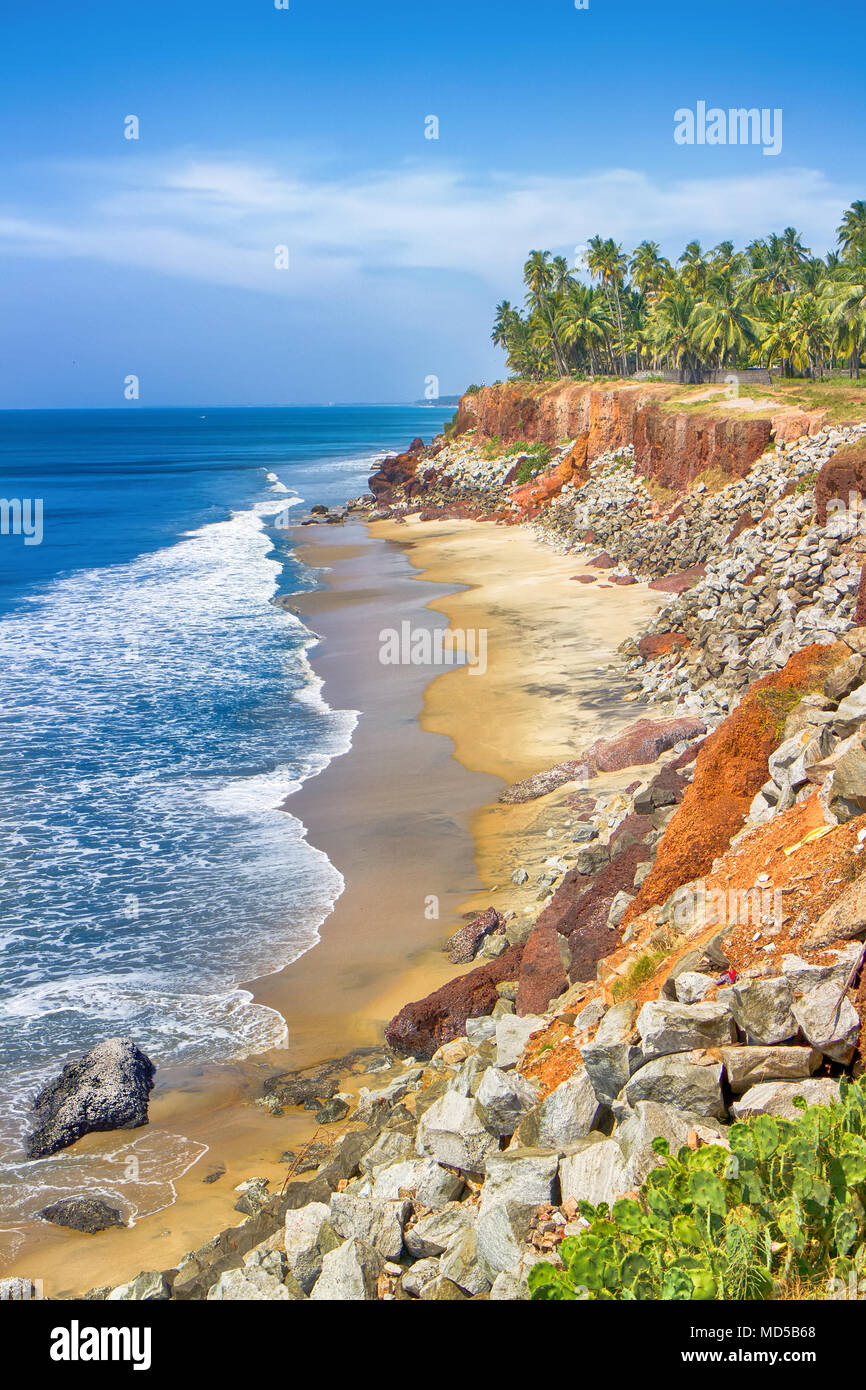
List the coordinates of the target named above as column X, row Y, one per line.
column 462, row 947
column 90, row 1214
column 423, row 1026
column 106, row 1089
column 640, row 743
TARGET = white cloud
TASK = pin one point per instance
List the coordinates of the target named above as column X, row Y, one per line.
column 218, row 219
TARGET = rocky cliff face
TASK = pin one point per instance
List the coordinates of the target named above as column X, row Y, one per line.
column 670, row 446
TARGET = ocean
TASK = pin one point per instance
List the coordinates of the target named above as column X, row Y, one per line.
column 157, row 709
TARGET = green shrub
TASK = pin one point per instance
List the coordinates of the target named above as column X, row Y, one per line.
column 538, row 460
column 785, row 1205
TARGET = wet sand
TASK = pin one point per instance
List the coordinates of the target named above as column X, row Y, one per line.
column 409, row 816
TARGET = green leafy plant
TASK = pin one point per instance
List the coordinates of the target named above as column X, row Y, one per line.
column 784, row 1205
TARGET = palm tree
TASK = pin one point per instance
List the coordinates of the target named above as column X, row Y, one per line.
column 722, row 323
column 539, row 276
column 671, row 328
column 606, row 263
column 503, row 324
column 810, row 336
column 694, row 272
column 851, row 235
column 583, row 321
column 649, row 269
column 847, row 304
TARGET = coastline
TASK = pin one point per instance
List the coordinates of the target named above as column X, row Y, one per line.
column 443, row 832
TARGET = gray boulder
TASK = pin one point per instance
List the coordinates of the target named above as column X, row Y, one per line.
column 500, row 1235
column 461, row 1264
column 609, row 1066
column 505, row 1097
column 567, row 1114
column 350, row 1274
column 417, row 1275
column 426, row 1180
column 431, row 1235
column 673, row 1080
column 512, row 1035
column 454, row 1132
column 596, row 1171
column 691, row 986
column 521, row 1175
column 374, row 1223
column 749, row 1066
column 667, row 1028
column 309, row 1237
column 821, row 1005
column 777, row 1097
column 107, row 1088
column 649, row 1121
column 762, row 1008
column 251, row 1286
column 151, row 1286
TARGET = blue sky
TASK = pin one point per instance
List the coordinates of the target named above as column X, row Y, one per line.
column 305, row 128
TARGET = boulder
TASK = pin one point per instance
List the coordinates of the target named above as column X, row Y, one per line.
column 441, row 1290
column 505, row 1097
column 106, row 1089
column 512, row 1035
column 595, row 1172
column 821, row 1007
column 777, row 1097
column 649, row 1121
column 673, row 1080
column 251, row 1286
column 350, row 1274
column 151, row 1286
column 667, row 1028
column 500, row 1235
column 762, row 1008
column 417, row 1275
column 691, row 985
column 525, row 1176
column 88, row 1214
column 423, row 1178
column 423, row 1026
column 309, row 1237
column 463, row 946
column 454, row 1132
column 609, row 1066
column 570, row 1111
column 542, row 972
column 844, row 919
column 642, row 742
column 460, row 1264
column 376, row 1224
column 852, row 711
column 432, row 1235
column 512, row 1285
column 749, row 1066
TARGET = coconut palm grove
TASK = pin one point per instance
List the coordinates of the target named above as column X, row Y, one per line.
column 772, row 305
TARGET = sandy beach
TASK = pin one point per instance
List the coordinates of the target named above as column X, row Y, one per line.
column 410, row 818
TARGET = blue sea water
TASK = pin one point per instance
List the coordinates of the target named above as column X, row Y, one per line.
column 156, row 708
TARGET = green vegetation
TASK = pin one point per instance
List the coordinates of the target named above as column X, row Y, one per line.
column 772, row 305
column 642, row 970
column 779, row 1215
column 539, row 459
